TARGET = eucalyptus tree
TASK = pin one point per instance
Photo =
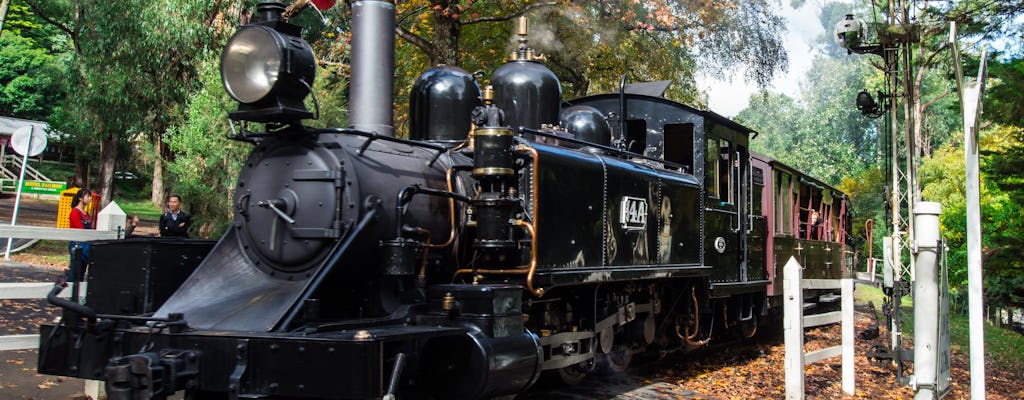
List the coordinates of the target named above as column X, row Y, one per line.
column 133, row 66
column 591, row 43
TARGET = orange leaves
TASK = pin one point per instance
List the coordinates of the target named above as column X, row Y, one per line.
column 46, row 385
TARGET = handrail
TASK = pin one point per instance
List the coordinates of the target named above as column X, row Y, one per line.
column 30, row 172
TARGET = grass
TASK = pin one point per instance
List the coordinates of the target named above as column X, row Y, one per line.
column 143, row 208
column 45, row 253
column 1003, row 347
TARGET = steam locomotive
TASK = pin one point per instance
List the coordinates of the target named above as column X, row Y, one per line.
column 511, row 234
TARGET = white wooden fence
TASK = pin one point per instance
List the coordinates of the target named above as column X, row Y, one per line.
column 795, row 322
column 39, row 290
column 110, row 218
column 27, row 291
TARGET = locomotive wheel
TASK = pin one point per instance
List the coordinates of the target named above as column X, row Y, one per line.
column 572, row 375
column 615, row 362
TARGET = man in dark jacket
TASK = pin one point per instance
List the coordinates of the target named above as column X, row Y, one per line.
column 174, row 222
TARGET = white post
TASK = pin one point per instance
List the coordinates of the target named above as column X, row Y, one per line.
column 926, row 300
column 17, row 196
column 848, row 345
column 111, row 218
column 970, row 101
column 793, row 322
column 976, row 296
column 94, row 389
column 889, row 281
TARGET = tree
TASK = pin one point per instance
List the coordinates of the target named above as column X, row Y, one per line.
column 131, row 73
column 206, row 162
column 28, row 67
column 27, row 85
column 942, row 179
column 590, row 43
column 822, row 130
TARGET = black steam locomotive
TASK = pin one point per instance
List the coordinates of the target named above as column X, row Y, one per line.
column 510, row 235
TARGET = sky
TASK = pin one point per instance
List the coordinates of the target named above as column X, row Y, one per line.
column 728, row 98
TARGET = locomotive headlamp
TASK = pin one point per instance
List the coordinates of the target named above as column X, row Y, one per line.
column 269, row 70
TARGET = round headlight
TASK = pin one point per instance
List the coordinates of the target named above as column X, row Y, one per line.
column 251, row 63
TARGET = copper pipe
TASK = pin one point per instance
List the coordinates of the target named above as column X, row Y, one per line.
column 451, row 202
column 531, row 268
column 869, row 231
column 426, row 251
column 688, row 338
column 527, row 270
column 491, row 271
column 725, row 315
column 533, row 257
column 696, row 315
column 752, row 332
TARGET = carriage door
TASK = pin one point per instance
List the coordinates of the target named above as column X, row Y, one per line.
column 725, row 244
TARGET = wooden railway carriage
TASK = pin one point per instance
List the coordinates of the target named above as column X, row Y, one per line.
column 786, row 199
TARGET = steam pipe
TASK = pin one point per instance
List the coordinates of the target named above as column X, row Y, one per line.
column 622, row 109
column 373, row 63
column 527, row 270
column 406, row 194
column 533, row 258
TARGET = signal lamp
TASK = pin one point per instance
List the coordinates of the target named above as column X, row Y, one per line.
column 867, row 105
column 269, row 70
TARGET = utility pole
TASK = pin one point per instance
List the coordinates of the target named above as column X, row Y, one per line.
column 894, row 40
column 904, row 189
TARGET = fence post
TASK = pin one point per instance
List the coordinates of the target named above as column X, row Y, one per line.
column 793, row 322
column 847, row 327
column 926, row 301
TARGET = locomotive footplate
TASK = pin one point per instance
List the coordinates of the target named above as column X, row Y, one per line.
column 142, row 362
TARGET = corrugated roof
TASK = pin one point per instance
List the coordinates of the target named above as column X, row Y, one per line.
column 9, row 124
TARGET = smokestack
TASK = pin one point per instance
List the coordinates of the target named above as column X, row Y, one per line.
column 373, row 66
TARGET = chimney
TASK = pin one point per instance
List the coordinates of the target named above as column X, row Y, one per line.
column 373, row 66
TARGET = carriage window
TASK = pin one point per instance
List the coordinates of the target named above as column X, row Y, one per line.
column 679, row 145
column 636, row 136
column 758, row 181
column 783, row 203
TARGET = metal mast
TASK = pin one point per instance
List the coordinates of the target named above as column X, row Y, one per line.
column 895, row 39
column 903, row 187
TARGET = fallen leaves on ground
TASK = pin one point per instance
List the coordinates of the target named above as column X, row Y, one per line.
column 755, row 371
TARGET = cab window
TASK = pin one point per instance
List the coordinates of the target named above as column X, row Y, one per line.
column 679, row 145
column 718, row 170
column 711, row 168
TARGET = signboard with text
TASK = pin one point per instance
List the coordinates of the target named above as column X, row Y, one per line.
column 37, row 187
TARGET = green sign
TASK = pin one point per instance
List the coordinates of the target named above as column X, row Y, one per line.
column 36, row 187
